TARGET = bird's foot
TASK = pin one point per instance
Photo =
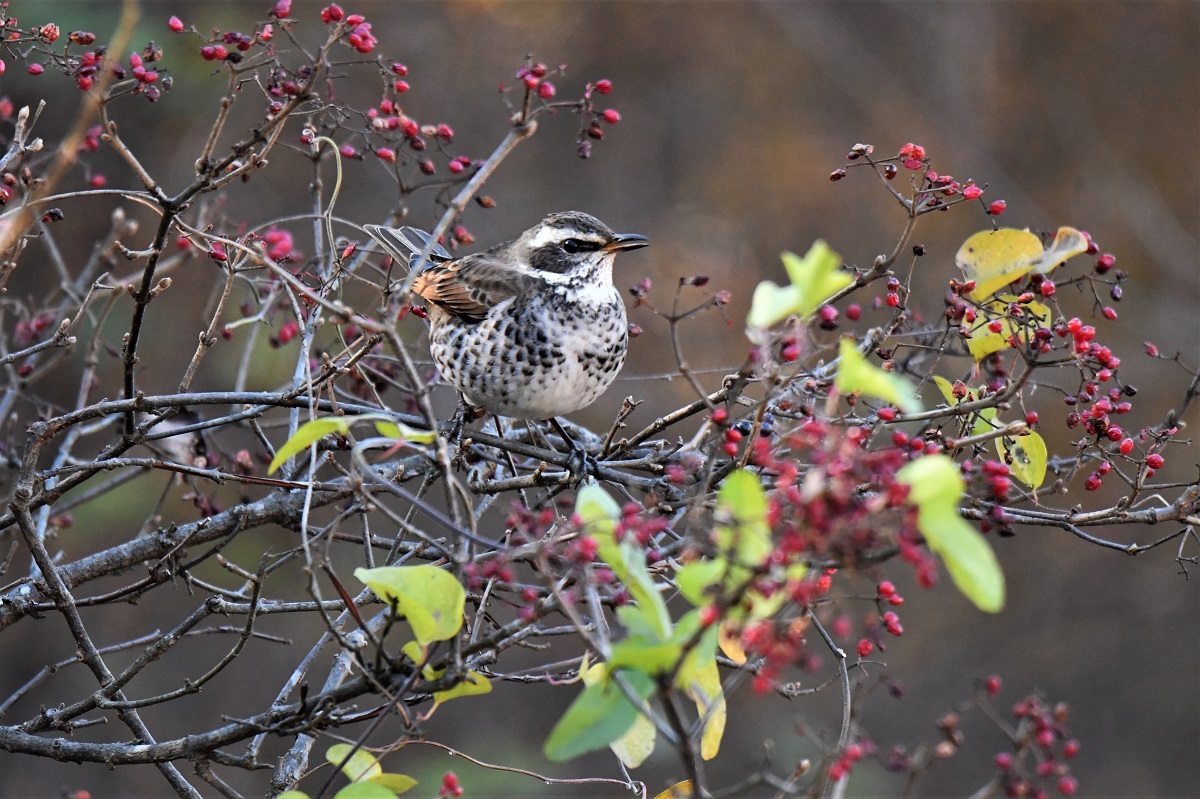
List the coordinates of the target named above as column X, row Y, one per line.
column 580, row 463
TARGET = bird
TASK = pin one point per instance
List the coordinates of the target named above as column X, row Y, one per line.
column 531, row 329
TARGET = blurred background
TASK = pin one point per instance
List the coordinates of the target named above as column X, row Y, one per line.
column 733, row 116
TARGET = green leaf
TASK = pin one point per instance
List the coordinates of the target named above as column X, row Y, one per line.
column 364, row 790
column 741, row 519
column 362, row 765
column 649, row 656
column 984, row 417
column 695, row 579
column 856, row 376
column 431, row 599
column 599, row 514
column 400, row 431
column 637, row 743
column 474, row 684
column 316, row 429
column 813, row 280
column 396, row 783
column 293, row 795
column 936, row 489
column 597, row 717
column 995, row 258
column 306, row 434
column 1028, row 456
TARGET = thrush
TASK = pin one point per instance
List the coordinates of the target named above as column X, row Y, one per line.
column 530, row 329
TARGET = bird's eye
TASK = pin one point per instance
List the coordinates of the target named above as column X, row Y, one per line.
column 572, row 246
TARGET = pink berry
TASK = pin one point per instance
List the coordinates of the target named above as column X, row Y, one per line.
column 1067, row 785
column 386, row 154
column 885, row 589
column 97, row 181
column 972, row 192
column 399, row 69
column 854, row 312
column 611, row 116
column 282, row 9
column 1004, row 761
column 546, row 90
column 347, row 151
column 35, row 69
column 175, row 24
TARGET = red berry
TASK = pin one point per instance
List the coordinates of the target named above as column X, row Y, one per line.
column 603, row 86
column 282, row 9
column 175, row 24
column 790, row 351
column 1004, row 761
column 1105, row 262
column 972, row 192
column 401, row 86
column 455, row 167
column 386, row 154
column 611, row 116
column 720, row 415
column 1154, row 461
column 1070, row 749
column 1092, row 482
column 84, row 82
column 332, row 13
column 1126, row 446
column 1067, row 785
column 887, row 414
column 445, row 132
column 997, row 207
column 864, row 648
column 1047, row 288
column 854, row 312
column 347, row 151
column 892, row 300
column 35, row 69
column 709, row 615
column 98, row 181
column 546, row 90
column 992, row 685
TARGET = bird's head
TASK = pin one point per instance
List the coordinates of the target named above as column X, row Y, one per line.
column 575, row 245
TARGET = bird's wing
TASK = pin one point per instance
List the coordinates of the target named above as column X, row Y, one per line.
column 406, row 242
column 469, row 287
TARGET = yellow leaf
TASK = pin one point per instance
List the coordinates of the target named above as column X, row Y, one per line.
column 1068, row 242
column 1028, row 457
column 680, row 790
column 730, row 640
column 995, row 258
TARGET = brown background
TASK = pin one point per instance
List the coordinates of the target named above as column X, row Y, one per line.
column 733, row 116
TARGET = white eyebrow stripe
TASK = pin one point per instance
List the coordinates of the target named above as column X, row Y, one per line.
column 556, row 235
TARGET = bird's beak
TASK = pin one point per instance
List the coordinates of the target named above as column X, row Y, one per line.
column 625, row 241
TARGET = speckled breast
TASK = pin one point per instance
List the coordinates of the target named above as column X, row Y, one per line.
column 535, row 359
